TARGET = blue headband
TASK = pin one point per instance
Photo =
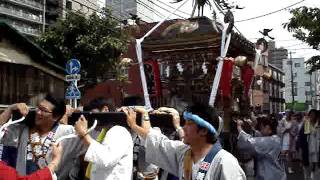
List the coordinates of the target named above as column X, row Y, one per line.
column 199, row 121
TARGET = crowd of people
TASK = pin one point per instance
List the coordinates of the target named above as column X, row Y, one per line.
column 266, row 147
column 300, row 141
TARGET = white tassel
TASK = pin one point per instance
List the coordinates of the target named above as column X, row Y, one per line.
column 204, row 68
column 180, row 68
column 167, row 71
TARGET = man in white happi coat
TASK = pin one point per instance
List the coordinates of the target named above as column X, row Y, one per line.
column 27, row 147
column 199, row 156
column 112, row 158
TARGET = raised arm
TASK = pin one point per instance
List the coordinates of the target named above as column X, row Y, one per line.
column 175, row 119
column 115, row 145
column 260, row 145
column 132, row 123
column 6, row 115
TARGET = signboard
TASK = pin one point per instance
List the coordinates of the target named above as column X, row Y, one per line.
column 73, row 66
column 73, row 77
column 73, row 92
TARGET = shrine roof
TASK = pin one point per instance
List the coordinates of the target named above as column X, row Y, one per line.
column 193, row 32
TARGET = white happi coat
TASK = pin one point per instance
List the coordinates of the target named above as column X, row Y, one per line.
column 113, row 158
column 18, row 136
column 169, row 155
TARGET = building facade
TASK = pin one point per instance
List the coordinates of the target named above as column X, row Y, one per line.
column 315, row 90
column 31, row 17
column 276, row 90
column 277, row 55
column 298, row 84
column 25, row 15
column 27, row 72
column 84, row 6
column 124, row 9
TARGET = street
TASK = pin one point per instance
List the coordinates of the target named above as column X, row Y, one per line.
column 298, row 172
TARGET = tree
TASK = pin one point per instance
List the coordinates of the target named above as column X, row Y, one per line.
column 96, row 41
column 305, row 24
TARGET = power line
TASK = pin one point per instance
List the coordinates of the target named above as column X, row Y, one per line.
column 301, row 49
column 293, row 45
column 173, row 7
column 220, row 9
column 92, row 3
column 115, row 18
column 94, row 10
column 127, row 15
column 165, row 9
column 270, row 12
column 150, row 9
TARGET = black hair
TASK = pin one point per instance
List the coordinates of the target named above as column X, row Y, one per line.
column 97, row 103
column 133, row 101
column 209, row 114
column 268, row 121
column 312, row 111
column 59, row 108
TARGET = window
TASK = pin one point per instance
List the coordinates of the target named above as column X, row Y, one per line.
column 69, row 5
column 307, row 83
column 295, row 91
column 295, row 84
column 296, row 64
column 289, row 62
column 308, row 93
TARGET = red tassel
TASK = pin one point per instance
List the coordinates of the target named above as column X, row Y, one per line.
column 226, row 76
column 247, row 76
column 156, row 76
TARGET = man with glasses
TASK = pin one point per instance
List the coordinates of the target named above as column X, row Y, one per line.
column 199, row 156
column 27, row 147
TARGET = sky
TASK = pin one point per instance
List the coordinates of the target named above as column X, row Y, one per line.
column 250, row 29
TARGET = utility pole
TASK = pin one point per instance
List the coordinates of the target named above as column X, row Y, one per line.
column 44, row 16
column 292, row 88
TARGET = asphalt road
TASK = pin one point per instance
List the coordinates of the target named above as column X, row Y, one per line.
column 298, row 172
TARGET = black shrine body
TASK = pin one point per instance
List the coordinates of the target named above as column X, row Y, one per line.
column 163, row 121
column 120, row 118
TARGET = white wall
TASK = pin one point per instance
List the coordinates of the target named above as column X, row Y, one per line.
column 300, row 77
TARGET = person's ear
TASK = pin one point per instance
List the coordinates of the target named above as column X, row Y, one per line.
column 203, row 132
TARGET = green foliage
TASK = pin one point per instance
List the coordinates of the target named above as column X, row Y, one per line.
column 313, row 63
column 298, row 106
column 305, row 26
column 96, row 40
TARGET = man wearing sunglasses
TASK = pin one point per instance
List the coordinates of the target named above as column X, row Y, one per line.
column 199, row 156
column 27, row 146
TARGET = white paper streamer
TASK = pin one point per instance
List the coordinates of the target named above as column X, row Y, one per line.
column 139, row 56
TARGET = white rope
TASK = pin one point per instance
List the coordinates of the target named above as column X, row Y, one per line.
column 76, row 135
column 139, row 56
column 221, row 125
column 223, row 52
column 10, row 122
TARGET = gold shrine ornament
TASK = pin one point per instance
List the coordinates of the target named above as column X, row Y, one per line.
column 240, row 61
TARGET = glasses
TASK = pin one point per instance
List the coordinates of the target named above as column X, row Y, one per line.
column 43, row 109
